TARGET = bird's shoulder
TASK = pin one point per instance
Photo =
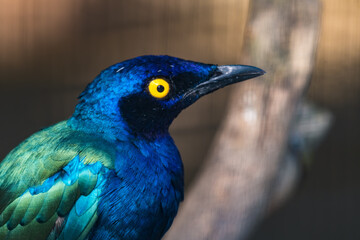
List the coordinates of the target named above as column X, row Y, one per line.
column 47, row 152
column 57, row 172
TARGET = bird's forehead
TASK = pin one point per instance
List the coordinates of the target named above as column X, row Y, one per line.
column 147, row 66
column 150, row 69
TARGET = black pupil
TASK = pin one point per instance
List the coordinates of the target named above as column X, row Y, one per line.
column 160, row 88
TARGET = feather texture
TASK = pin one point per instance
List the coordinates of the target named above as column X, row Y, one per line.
column 74, row 182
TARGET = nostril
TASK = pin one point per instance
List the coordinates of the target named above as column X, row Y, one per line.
column 216, row 73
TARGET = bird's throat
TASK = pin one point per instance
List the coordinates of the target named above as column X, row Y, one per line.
column 146, row 117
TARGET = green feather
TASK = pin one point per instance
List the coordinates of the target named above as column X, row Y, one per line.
column 32, row 231
column 88, row 227
column 6, row 214
column 19, row 211
column 71, row 193
column 87, row 181
column 51, row 202
column 45, row 153
column 36, row 159
column 34, row 208
column 3, row 232
column 75, row 228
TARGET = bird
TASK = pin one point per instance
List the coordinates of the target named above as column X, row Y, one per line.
column 112, row 170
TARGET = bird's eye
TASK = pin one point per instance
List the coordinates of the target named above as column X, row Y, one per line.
column 159, row 88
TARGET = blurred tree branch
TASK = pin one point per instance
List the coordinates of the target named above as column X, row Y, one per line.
column 236, row 186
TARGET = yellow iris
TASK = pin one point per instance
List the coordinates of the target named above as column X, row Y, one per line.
column 159, row 88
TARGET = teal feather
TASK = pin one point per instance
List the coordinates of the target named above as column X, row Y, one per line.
column 34, row 208
column 80, row 216
column 6, row 214
column 87, row 181
column 19, row 211
column 68, row 199
column 84, row 203
column 51, row 202
column 75, row 192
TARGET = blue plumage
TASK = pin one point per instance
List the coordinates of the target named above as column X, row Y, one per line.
column 149, row 183
column 111, row 171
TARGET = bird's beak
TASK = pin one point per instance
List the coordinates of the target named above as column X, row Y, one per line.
column 223, row 76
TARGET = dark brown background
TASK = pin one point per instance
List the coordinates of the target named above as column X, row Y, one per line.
column 49, row 50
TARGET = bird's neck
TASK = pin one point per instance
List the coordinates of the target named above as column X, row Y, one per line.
column 106, row 127
column 156, row 154
column 115, row 129
column 153, row 152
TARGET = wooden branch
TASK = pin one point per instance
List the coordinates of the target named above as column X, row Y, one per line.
column 235, row 187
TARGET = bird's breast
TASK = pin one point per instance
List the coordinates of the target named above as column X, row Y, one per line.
column 142, row 195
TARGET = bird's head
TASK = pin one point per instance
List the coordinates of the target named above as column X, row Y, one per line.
column 143, row 95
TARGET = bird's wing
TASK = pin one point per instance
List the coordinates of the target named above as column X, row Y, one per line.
column 51, row 183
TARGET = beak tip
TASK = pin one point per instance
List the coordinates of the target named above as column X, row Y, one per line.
column 256, row 71
column 261, row 72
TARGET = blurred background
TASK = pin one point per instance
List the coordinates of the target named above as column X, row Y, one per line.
column 50, row 50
